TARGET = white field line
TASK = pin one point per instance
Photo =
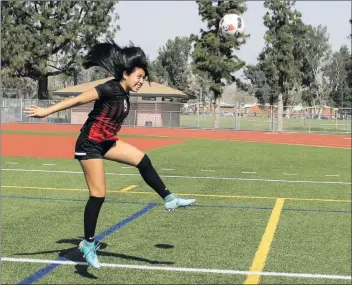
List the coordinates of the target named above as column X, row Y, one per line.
column 185, row 177
column 181, row 269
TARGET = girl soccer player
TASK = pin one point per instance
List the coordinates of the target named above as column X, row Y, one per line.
column 98, row 138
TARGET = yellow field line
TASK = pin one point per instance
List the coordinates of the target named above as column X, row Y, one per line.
column 264, row 246
column 126, row 190
column 68, row 189
column 251, row 197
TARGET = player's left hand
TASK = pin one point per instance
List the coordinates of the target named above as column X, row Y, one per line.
column 36, row 112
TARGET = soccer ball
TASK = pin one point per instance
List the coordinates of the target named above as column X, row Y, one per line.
column 231, row 25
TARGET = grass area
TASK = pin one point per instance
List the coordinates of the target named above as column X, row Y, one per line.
column 42, row 214
column 265, row 124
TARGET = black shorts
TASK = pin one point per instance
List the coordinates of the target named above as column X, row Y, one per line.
column 88, row 149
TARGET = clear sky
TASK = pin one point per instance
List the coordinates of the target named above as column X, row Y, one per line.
column 149, row 24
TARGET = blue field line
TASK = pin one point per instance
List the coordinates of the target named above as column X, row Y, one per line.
column 49, row 268
column 201, row 206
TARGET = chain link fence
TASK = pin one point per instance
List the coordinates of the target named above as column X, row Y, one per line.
column 253, row 118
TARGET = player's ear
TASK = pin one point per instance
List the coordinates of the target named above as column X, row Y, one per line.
column 124, row 75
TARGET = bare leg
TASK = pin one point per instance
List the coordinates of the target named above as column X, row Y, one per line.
column 125, row 153
column 128, row 154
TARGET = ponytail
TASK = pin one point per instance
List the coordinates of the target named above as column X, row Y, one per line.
column 115, row 59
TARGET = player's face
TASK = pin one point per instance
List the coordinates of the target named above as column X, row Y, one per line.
column 135, row 80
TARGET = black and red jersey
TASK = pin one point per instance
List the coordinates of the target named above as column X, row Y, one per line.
column 108, row 113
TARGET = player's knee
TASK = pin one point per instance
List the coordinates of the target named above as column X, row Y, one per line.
column 144, row 163
column 98, row 192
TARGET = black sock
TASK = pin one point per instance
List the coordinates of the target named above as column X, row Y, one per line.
column 151, row 177
column 91, row 213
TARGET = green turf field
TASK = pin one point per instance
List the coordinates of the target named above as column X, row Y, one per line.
column 265, row 124
column 239, row 187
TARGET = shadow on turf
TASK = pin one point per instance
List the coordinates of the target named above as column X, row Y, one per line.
column 73, row 254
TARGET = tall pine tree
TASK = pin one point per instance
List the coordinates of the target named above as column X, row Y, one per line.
column 214, row 55
column 279, row 59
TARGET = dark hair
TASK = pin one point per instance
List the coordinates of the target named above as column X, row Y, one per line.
column 115, row 59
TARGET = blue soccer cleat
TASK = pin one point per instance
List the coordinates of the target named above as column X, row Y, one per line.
column 172, row 202
column 89, row 251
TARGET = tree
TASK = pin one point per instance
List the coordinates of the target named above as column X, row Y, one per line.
column 172, row 66
column 338, row 73
column 16, row 87
column 258, row 84
column 215, row 55
column 81, row 76
column 279, row 59
column 46, row 38
column 198, row 85
column 317, row 51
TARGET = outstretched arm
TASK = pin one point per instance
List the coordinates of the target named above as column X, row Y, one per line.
column 85, row 97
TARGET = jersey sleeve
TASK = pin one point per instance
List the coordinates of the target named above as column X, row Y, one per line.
column 105, row 90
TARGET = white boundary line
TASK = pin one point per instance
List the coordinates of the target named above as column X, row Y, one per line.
column 185, row 177
column 182, row 269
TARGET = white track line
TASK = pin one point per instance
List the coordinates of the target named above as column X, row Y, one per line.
column 346, row 138
column 248, row 172
column 185, row 177
column 182, row 269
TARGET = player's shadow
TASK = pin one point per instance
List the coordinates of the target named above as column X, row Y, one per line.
column 73, row 254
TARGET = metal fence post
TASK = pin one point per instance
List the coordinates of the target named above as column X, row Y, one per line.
column 135, row 118
column 21, row 109
column 272, row 118
column 155, row 109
